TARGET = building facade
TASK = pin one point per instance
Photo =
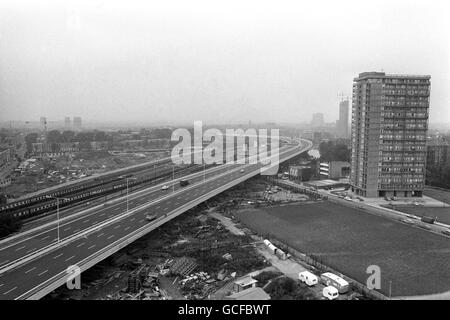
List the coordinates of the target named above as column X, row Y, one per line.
column 334, row 169
column 342, row 123
column 317, row 120
column 438, row 154
column 389, row 131
column 77, row 125
column 67, row 124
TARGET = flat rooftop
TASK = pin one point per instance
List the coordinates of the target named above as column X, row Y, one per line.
column 382, row 75
column 256, row 293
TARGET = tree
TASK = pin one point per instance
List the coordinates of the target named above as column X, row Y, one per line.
column 85, row 137
column 100, row 136
column 332, row 151
column 9, row 224
column 54, row 136
column 3, row 199
column 68, row 135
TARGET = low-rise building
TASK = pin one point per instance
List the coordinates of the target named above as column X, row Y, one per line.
column 253, row 293
column 244, row 283
column 334, row 170
column 300, row 173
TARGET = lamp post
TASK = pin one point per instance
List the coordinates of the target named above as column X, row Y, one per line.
column 127, row 179
column 173, row 178
column 57, row 214
column 390, row 289
column 204, row 172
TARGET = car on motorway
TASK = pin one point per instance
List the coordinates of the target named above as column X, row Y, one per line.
column 408, row 221
column 242, row 171
column 184, row 183
column 446, row 232
column 150, row 217
column 165, row 187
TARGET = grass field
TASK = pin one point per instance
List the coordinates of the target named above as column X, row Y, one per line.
column 416, row 261
column 441, row 195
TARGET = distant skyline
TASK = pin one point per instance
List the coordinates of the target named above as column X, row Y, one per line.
column 215, row 61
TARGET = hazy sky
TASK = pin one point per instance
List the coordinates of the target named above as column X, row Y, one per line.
column 209, row 60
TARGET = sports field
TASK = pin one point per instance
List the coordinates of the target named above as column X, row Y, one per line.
column 416, row 261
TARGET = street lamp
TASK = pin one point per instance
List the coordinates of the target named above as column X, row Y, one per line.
column 127, row 189
column 57, row 212
column 173, row 178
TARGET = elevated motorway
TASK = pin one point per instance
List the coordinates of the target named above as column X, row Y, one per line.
column 35, row 263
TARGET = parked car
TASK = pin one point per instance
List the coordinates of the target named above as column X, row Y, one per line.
column 308, row 278
column 330, row 293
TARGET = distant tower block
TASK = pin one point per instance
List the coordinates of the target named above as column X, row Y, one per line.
column 343, row 127
column 67, row 122
column 317, row 120
column 77, row 123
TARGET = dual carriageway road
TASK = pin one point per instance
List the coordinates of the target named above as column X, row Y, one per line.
column 92, row 236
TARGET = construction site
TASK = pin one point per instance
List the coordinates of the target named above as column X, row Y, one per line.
column 203, row 254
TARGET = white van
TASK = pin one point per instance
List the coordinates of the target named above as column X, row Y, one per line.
column 307, row 277
column 330, row 293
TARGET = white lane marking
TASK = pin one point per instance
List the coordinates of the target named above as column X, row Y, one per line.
column 127, row 228
column 40, row 274
column 91, row 247
column 141, row 220
column 118, row 226
column 67, row 228
column 56, row 257
column 132, row 219
column 3, row 262
column 100, row 235
column 5, row 293
column 87, row 220
column 76, row 230
column 70, row 258
column 111, row 236
column 102, row 214
column 31, row 250
column 81, row 244
column 46, row 237
column 1, row 285
column 20, row 248
column 30, row 270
